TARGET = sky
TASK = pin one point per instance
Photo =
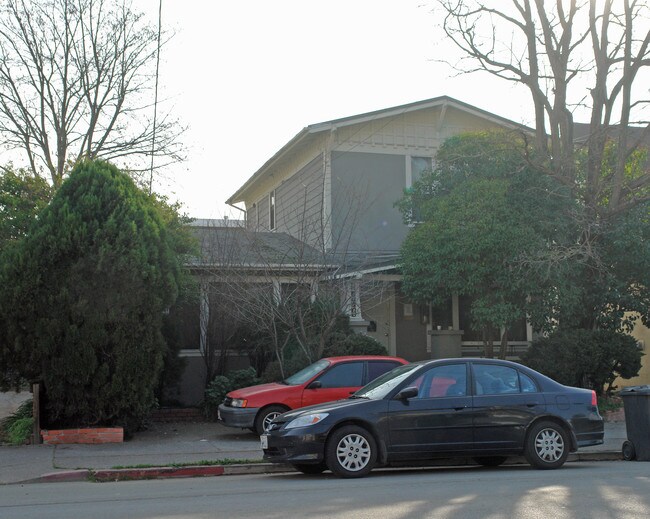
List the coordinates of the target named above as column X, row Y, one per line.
column 245, row 76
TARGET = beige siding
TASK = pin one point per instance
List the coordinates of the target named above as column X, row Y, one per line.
column 411, row 133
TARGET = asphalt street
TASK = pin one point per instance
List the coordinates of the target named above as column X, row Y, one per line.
column 583, row 489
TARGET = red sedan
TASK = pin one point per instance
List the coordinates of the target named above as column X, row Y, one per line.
column 328, row 379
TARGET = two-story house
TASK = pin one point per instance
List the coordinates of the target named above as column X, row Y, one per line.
column 326, row 200
column 334, row 186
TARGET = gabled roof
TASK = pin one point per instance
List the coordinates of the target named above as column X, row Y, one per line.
column 312, row 130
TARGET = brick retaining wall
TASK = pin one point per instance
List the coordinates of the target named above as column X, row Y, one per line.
column 89, row 435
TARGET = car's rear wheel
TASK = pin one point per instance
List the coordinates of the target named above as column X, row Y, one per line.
column 490, row 461
column 547, row 446
column 310, row 469
column 266, row 416
column 351, row 452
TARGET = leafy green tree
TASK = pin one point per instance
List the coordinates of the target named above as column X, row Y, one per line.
column 483, row 212
column 497, row 229
column 83, row 298
column 22, row 197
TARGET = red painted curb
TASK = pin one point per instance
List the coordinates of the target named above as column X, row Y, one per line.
column 157, row 472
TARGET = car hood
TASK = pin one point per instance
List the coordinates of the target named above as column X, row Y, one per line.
column 327, row 407
column 259, row 390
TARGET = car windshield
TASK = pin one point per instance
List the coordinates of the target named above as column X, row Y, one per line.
column 381, row 386
column 306, row 373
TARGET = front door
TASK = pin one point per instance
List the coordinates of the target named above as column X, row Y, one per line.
column 438, row 419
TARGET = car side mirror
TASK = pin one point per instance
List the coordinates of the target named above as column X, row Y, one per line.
column 407, row 392
column 315, row 385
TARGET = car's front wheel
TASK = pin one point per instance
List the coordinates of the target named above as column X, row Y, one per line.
column 266, row 416
column 547, row 446
column 351, row 452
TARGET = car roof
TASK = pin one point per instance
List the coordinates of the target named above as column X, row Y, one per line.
column 347, row 358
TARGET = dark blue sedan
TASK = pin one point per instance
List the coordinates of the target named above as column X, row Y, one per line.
column 484, row 409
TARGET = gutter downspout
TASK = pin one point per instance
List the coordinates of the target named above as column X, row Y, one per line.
column 242, row 210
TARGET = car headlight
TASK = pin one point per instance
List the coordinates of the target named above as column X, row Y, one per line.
column 306, row 420
column 238, row 402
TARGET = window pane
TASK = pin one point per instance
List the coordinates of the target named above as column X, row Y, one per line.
column 495, row 380
column 376, row 368
column 527, row 384
column 349, row 374
column 443, row 381
column 272, row 210
column 418, row 166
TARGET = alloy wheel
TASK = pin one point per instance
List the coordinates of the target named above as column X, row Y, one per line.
column 549, row 445
column 268, row 419
column 353, row 452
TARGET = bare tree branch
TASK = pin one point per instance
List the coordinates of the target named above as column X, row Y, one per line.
column 75, row 79
column 610, row 51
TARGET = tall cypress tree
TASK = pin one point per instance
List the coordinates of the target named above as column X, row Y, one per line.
column 85, row 296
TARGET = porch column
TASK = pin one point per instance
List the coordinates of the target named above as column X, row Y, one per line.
column 352, row 306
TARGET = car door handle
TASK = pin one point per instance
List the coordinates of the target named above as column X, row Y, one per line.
column 460, row 408
column 531, row 405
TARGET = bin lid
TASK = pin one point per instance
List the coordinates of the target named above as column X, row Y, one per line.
column 635, row 390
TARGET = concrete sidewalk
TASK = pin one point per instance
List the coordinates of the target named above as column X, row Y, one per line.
column 166, row 444
column 161, row 445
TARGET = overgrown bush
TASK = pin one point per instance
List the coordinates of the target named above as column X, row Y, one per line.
column 585, row 358
column 223, row 384
column 17, row 428
column 354, row 344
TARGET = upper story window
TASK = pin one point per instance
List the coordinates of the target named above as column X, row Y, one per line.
column 418, row 166
column 415, row 168
column 272, row 210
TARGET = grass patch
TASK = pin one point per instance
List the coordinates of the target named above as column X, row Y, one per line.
column 201, row 463
column 17, row 428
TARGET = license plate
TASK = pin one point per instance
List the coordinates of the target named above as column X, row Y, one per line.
column 264, row 440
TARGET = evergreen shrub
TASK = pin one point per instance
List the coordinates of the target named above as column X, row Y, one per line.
column 585, row 358
column 88, row 288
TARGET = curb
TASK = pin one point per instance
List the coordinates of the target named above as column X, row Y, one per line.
column 155, row 473
column 106, row 475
